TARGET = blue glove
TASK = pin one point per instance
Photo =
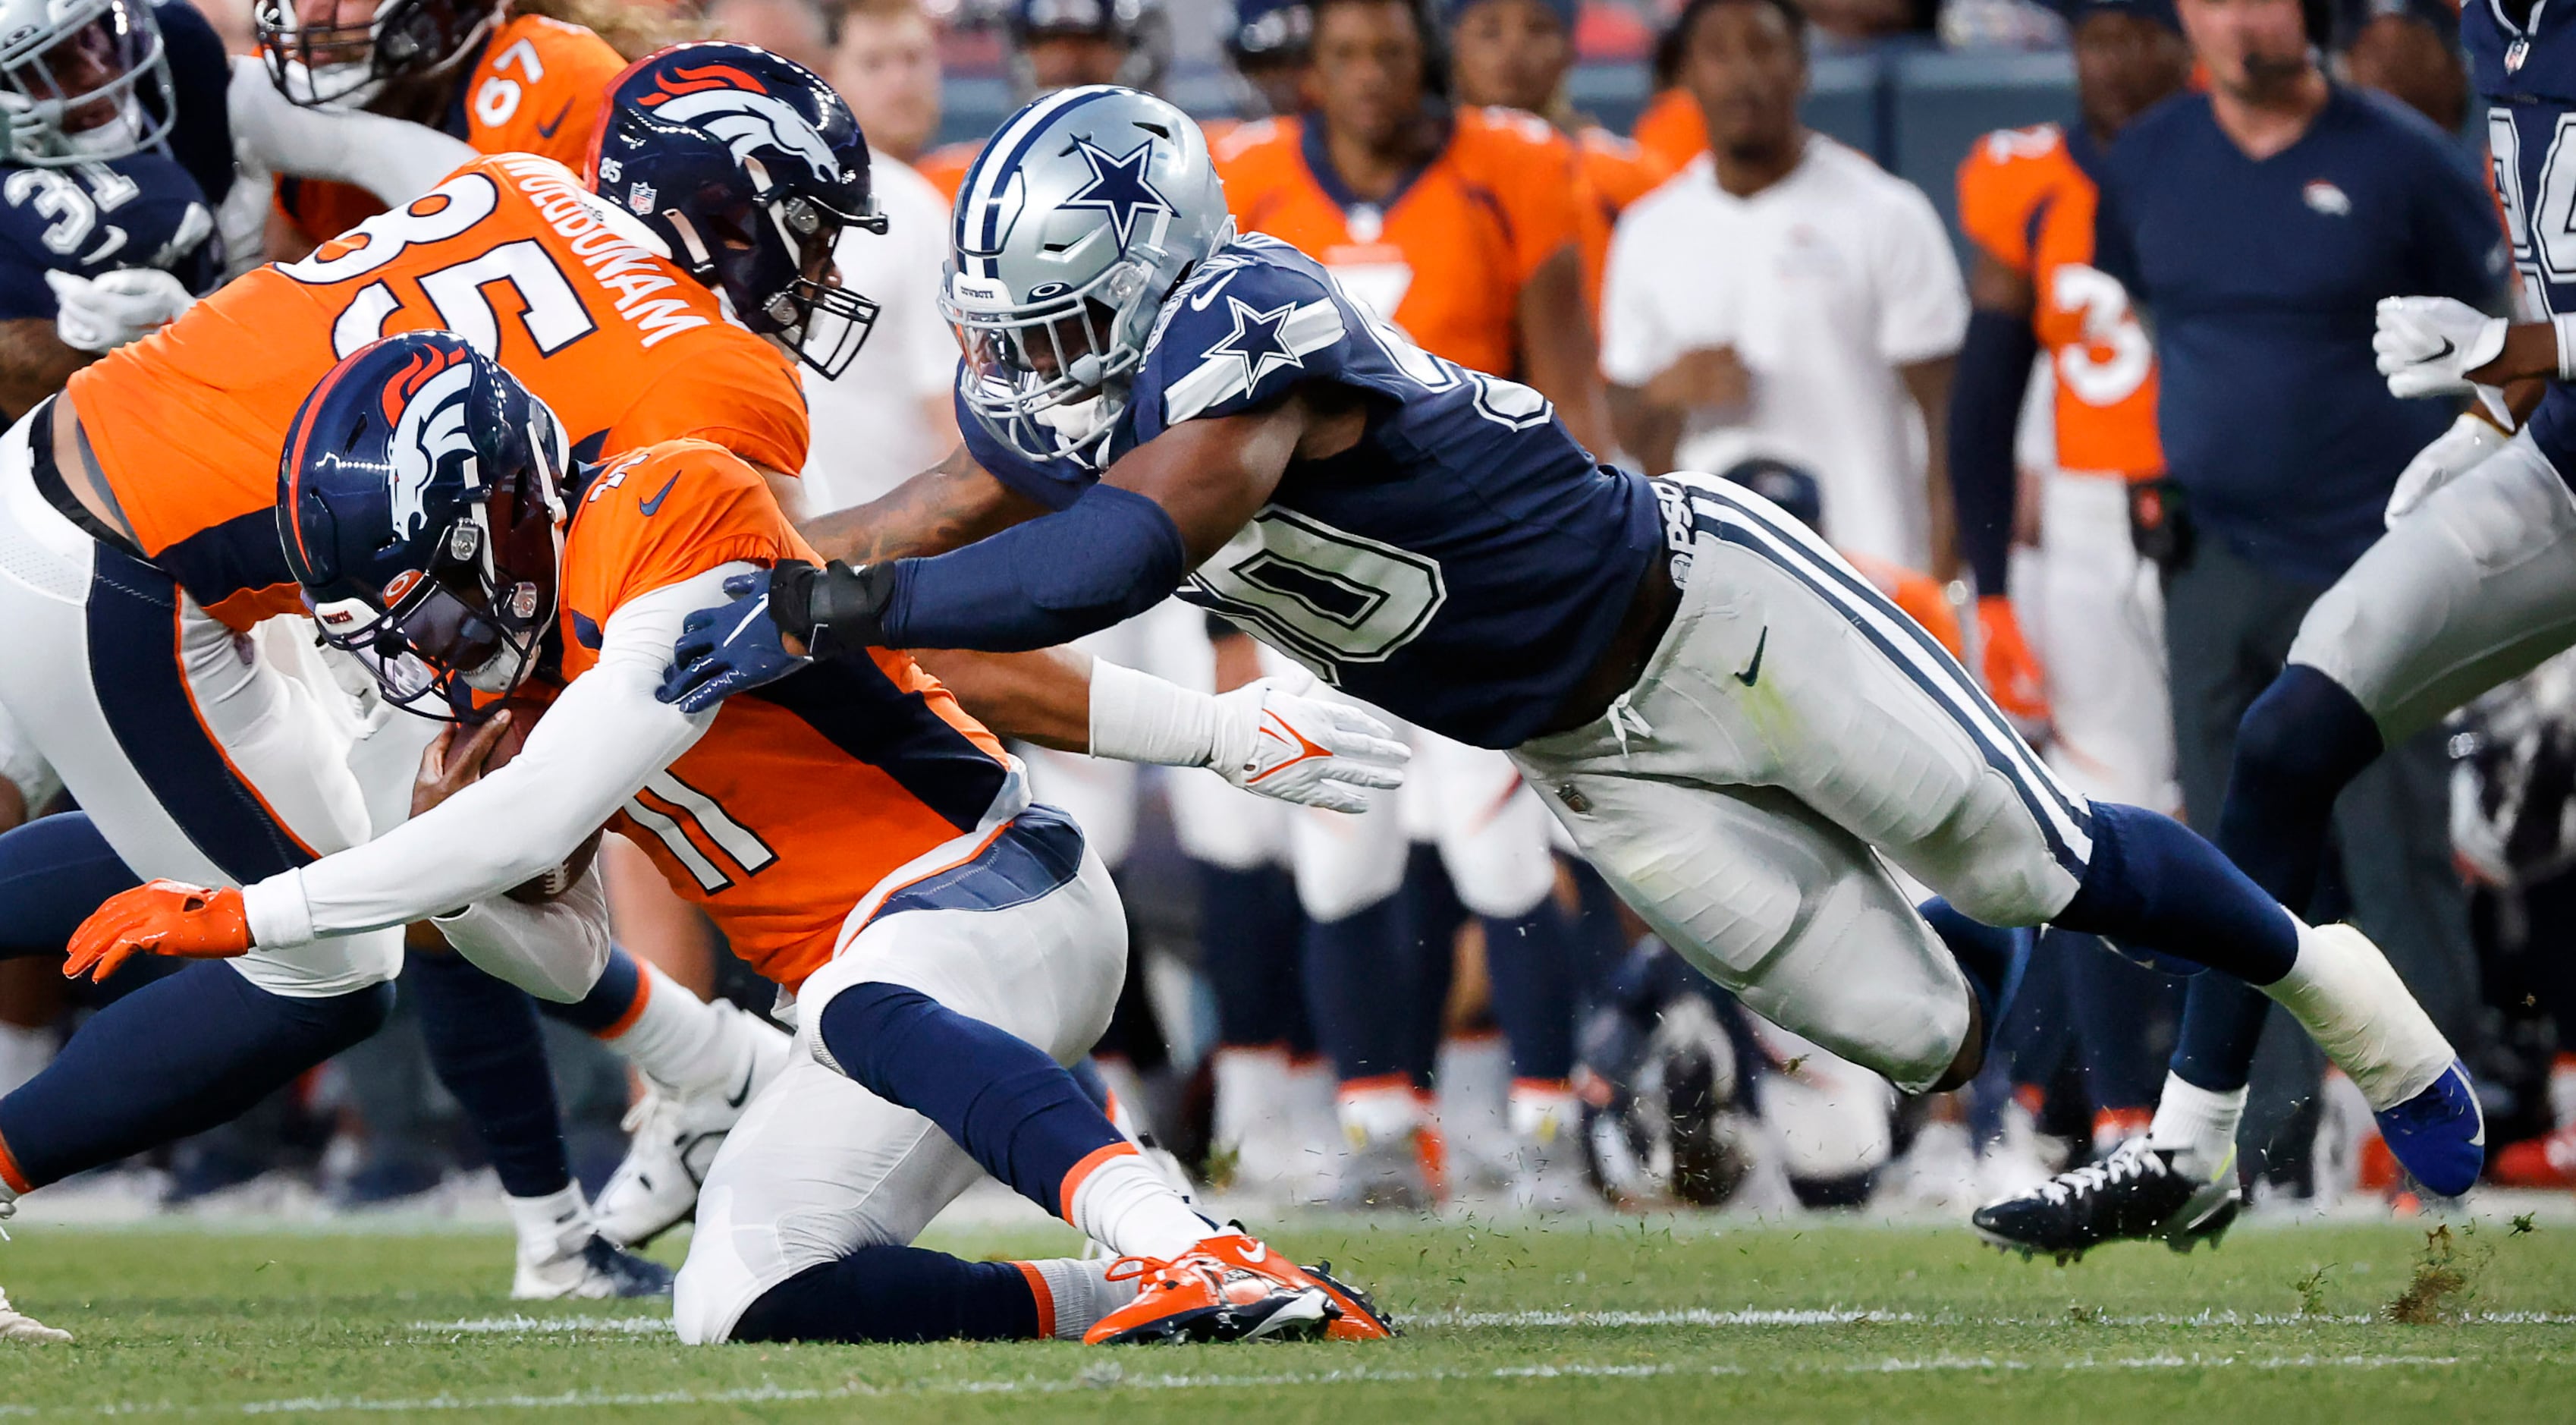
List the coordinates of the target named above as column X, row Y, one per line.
column 729, row 649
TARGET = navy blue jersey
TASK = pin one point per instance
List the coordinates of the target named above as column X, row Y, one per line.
column 1461, row 567
column 2526, row 73
column 142, row 210
column 2272, row 413
column 199, row 76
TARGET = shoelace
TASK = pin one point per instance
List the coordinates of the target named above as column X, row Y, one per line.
column 654, row 1107
column 2095, row 1177
column 1624, row 718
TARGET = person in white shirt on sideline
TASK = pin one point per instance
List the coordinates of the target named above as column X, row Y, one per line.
column 1785, row 284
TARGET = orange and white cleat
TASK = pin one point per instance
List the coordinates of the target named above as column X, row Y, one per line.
column 1233, row 1288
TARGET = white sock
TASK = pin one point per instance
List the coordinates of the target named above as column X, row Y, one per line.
column 2198, row 1124
column 1472, row 1080
column 1122, row 1203
column 1542, row 1112
column 1249, row 1086
column 551, row 1225
column 1075, row 1293
column 2343, row 992
column 1377, row 1114
column 685, row 1044
column 24, row 1053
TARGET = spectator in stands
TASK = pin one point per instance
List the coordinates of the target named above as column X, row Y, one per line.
column 890, row 415
column 2259, row 223
column 1267, row 43
column 887, row 66
column 1786, row 286
column 800, row 30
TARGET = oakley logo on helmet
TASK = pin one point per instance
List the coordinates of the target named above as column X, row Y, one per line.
column 430, row 427
column 744, row 116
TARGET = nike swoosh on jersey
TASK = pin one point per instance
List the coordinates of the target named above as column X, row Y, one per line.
column 653, row 506
column 1753, row 670
column 547, row 129
column 1199, row 299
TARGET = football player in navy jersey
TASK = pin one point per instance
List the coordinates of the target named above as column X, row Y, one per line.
column 1151, row 401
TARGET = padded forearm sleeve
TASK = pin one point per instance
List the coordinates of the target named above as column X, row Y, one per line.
column 1985, row 412
column 1105, row 558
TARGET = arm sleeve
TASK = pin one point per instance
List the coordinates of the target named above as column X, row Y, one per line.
column 1923, row 301
column 395, row 160
column 554, row 949
column 600, row 741
column 1985, row 412
column 1109, row 556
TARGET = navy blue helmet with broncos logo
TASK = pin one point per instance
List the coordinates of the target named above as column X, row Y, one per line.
column 748, row 167
column 420, row 500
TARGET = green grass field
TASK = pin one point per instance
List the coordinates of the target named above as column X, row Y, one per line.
column 1591, row 1323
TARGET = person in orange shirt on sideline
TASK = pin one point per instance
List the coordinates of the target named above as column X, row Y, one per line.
column 2096, row 681
column 1671, row 127
column 1063, row 44
column 1516, row 54
column 500, row 74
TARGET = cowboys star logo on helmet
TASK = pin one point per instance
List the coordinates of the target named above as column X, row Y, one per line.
column 1119, row 187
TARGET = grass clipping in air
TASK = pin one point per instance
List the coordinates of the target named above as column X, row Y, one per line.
column 2445, row 1279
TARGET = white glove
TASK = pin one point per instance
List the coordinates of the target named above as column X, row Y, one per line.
column 2427, row 346
column 1270, row 741
column 2449, row 456
column 107, row 311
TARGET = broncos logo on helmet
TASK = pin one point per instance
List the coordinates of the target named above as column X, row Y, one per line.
column 748, row 167
column 427, row 404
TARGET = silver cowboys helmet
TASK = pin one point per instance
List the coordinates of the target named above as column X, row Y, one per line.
column 74, row 76
column 1075, row 224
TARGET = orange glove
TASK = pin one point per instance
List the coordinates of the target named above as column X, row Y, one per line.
column 165, row 918
column 2012, row 672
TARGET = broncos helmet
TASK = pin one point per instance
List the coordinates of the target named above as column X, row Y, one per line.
column 333, row 64
column 1073, row 226
column 82, row 81
column 747, row 166
column 420, row 500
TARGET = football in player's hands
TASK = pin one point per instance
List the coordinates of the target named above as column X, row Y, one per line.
column 564, row 876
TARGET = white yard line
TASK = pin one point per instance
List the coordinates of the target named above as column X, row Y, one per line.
column 1108, row 1375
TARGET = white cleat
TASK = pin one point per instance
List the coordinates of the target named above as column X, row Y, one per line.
column 16, row 1325
column 673, row 1137
column 589, row 1269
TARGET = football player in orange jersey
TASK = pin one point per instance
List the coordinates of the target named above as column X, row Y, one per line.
column 1516, row 54
column 144, row 550
column 494, row 74
column 948, row 944
column 2097, row 682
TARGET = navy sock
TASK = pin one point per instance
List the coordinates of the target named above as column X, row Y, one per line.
column 609, row 1001
column 1249, row 927
column 178, row 1056
column 485, row 1045
column 2124, row 1013
column 1531, row 963
column 2156, row 888
column 54, row 871
column 896, row 1294
column 1434, row 917
column 1993, row 959
column 1362, row 982
column 1001, row 1098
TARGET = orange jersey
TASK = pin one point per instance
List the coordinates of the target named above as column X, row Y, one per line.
column 1447, row 257
column 946, row 165
column 1616, row 173
column 2025, row 199
column 535, row 88
column 1673, row 129
column 511, row 252
column 803, row 796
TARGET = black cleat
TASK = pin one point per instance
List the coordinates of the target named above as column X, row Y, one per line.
column 2135, row 1195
